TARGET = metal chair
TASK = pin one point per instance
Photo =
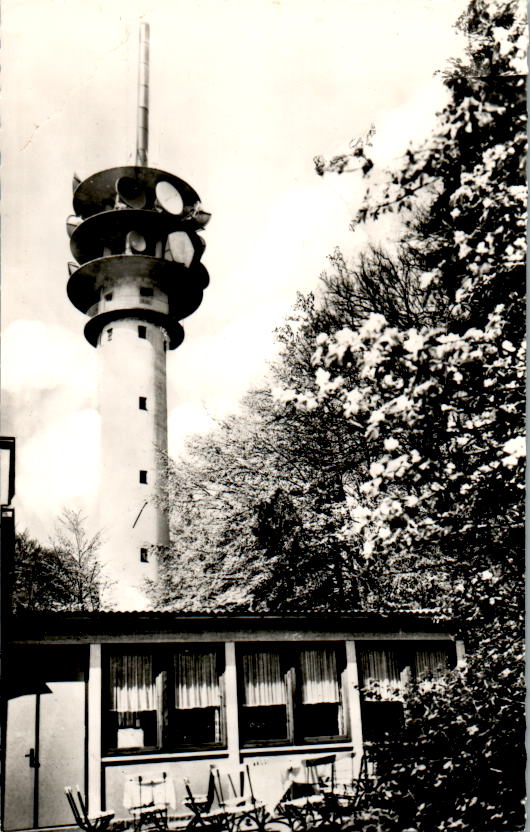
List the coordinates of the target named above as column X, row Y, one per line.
column 315, row 776
column 247, row 812
column 201, row 806
column 88, row 823
column 150, row 800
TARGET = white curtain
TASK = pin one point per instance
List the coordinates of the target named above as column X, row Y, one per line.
column 319, row 676
column 132, row 686
column 431, row 662
column 196, row 680
column 262, row 679
column 380, row 675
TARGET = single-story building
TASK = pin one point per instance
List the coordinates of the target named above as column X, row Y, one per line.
column 94, row 699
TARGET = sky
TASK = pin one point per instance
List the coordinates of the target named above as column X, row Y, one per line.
column 243, row 95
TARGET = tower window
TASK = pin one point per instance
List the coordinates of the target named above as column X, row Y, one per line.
column 143, row 477
column 146, row 292
column 165, row 346
column 142, row 332
column 142, row 403
column 108, row 296
column 109, row 334
column 143, row 555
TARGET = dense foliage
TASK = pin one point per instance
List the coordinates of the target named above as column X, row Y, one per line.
column 65, row 575
column 441, row 405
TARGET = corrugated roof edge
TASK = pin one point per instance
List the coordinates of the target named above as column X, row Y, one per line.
column 83, row 626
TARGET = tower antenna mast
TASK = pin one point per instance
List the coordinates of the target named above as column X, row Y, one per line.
column 142, row 126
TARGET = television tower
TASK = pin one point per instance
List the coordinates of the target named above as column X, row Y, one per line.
column 138, row 274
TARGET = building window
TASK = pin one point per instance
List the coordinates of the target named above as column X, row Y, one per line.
column 142, row 403
column 292, row 695
column 108, row 296
column 143, row 555
column 384, row 670
column 165, row 346
column 146, row 292
column 165, row 699
column 142, row 332
column 109, row 334
column 143, row 477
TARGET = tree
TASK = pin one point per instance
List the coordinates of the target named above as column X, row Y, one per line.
column 272, row 454
column 65, row 575
column 40, row 577
column 79, row 552
column 440, row 405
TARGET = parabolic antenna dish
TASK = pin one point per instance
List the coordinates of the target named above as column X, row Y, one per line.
column 131, row 192
column 135, row 242
column 71, row 223
column 169, row 198
column 180, row 247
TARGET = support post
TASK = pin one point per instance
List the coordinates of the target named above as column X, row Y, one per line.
column 232, row 716
column 354, row 699
column 460, row 652
column 94, row 730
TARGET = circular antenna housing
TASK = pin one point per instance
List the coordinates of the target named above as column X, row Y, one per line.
column 131, row 192
column 135, row 242
column 71, row 223
column 169, row 198
column 180, row 248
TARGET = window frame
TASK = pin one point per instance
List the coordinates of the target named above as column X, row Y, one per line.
column 163, row 662
column 290, row 664
column 405, row 652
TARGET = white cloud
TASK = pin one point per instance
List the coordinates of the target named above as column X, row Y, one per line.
column 39, row 356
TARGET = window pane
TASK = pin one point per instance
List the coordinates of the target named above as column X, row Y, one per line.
column 196, row 680
column 321, row 713
column 319, row 676
column 263, row 713
column 263, row 680
column 380, row 674
column 197, row 698
column 133, row 699
column 381, row 720
column 429, row 664
column 131, row 683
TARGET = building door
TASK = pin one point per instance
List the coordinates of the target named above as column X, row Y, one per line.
column 61, row 750
column 45, row 750
column 21, row 766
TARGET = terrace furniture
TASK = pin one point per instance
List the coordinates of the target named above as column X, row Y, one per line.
column 315, row 777
column 248, row 812
column 148, row 798
column 201, row 806
column 88, row 823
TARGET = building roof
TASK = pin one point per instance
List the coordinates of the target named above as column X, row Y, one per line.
column 79, row 627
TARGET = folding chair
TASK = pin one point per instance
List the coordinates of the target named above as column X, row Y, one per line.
column 201, row 806
column 316, row 776
column 88, row 823
column 247, row 811
column 148, row 799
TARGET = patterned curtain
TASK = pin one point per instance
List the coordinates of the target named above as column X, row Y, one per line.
column 262, row 680
column 196, row 680
column 319, row 676
column 132, row 686
column 432, row 662
column 380, row 675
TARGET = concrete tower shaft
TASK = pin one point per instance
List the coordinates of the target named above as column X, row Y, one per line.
column 137, row 275
column 133, row 409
